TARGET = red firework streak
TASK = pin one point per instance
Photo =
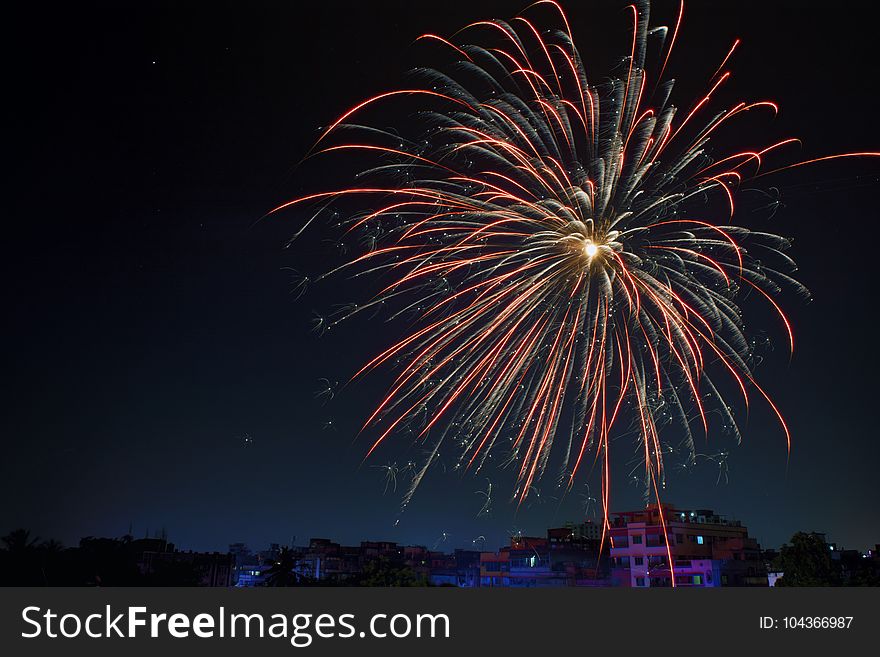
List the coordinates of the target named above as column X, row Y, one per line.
column 556, row 245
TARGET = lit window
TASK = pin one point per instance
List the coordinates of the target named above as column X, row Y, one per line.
column 699, row 540
column 698, row 580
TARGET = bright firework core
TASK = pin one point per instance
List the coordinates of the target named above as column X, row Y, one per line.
column 590, row 249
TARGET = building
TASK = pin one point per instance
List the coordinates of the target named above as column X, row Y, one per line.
column 567, row 556
column 495, row 568
column 156, row 557
column 706, row 549
column 583, row 531
column 326, row 560
column 460, row 569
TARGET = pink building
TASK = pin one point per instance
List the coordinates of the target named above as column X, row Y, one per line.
column 706, row 549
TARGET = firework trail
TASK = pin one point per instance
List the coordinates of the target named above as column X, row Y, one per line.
column 564, row 249
column 486, row 507
column 389, row 476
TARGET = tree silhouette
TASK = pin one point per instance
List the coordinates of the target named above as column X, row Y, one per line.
column 282, row 571
column 806, row 561
column 382, row 572
column 19, row 542
column 20, row 559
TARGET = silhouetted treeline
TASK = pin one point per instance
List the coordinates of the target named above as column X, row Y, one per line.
column 808, row 560
column 26, row 560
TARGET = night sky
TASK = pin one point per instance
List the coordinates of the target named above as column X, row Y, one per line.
column 159, row 374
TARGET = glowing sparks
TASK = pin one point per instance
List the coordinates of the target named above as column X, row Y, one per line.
column 559, row 248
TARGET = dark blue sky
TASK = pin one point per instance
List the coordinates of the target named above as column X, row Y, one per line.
column 151, row 325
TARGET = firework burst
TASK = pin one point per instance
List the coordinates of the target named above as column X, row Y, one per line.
column 564, row 250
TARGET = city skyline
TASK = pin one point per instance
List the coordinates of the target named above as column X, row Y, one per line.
column 443, row 543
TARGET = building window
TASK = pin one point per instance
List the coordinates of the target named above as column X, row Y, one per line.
column 639, row 561
column 699, row 540
column 640, row 581
column 637, row 539
column 679, row 538
column 698, row 580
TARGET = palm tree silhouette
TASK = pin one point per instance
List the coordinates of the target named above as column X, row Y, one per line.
column 282, row 571
column 19, row 542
